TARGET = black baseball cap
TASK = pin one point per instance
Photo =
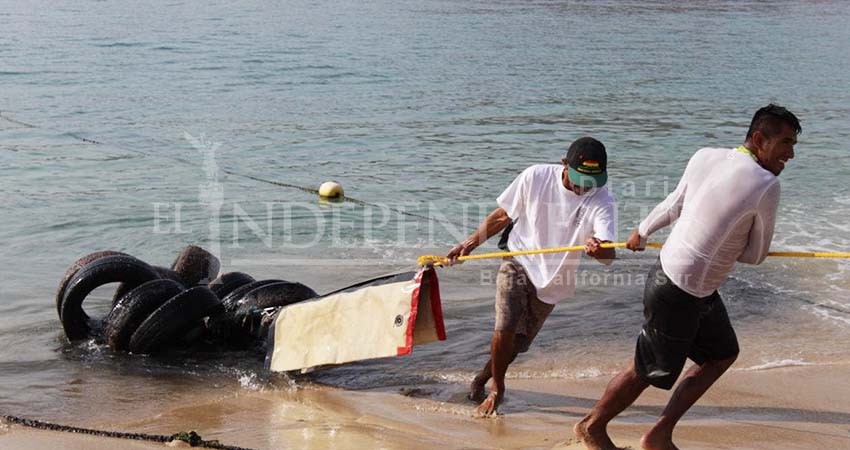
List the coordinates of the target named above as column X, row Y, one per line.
column 587, row 163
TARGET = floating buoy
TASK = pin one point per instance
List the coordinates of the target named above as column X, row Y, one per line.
column 331, row 190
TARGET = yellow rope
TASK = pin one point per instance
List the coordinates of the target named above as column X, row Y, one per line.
column 441, row 260
column 809, row 254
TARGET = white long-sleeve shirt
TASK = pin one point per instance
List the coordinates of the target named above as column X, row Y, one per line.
column 726, row 205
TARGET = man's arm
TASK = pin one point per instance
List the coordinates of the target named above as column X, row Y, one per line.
column 663, row 214
column 604, row 231
column 761, row 233
column 594, row 249
column 511, row 203
column 495, row 222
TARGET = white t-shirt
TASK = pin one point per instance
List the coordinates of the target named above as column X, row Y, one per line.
column 547, row 214
column 725, row 204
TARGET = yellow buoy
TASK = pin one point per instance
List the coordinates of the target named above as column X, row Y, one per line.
column 331, row 189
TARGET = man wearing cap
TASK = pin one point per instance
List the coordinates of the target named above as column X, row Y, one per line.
column 548, row 205
column 724, row 208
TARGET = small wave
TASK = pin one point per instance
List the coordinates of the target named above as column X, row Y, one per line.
column 577, row 374
column 523, row 374
column 451, row 377
column 777, row 365
column 442, row 408
column 829, row 314
column 119, row 44
column 208, row 68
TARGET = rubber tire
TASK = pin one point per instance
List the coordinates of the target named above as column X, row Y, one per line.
column 243, row 324
column 232, row 300
column 164, row 273
column 109, row 269
column 249, row 325
column 78, row 264
column 276, row 294
column 227, row 328
column 133, row 308
column 196, row 266
column 168, row 274
column 174, row 319
column 228, row 282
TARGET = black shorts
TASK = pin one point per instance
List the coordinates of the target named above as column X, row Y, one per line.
column 679, row 326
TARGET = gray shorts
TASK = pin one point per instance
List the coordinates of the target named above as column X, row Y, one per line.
column 517, row 307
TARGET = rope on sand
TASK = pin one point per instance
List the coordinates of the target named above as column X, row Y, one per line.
column 191, row 437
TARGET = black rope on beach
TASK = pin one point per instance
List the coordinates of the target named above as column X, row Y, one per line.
column 230, row 172
column 39, row 425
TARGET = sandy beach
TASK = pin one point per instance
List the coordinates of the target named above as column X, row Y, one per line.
column 784, row 408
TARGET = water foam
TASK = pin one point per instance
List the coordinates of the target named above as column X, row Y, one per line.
column 829, row 315
column 442, row 408
column 249, row 381
column 777, row 365
column 576, row 374
column 524, row 374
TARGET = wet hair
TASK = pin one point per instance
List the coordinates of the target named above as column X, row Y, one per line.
column 769, row 121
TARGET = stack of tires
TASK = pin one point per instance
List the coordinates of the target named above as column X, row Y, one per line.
column 156, row 309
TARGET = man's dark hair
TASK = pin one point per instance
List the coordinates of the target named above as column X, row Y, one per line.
column 769, row 121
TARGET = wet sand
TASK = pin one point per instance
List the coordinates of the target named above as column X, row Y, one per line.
column 784, row 408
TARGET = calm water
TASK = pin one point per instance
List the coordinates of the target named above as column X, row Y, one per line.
column 427, row 107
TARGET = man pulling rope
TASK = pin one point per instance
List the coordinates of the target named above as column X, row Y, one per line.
column 547, row 205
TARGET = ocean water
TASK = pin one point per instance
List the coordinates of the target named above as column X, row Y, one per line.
column 143, row 127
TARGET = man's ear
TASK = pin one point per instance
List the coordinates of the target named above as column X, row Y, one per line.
column 758, row 140
column 564, row 161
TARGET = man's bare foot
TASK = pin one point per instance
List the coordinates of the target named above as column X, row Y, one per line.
column 594, row 439
column 489, row 406
column 477, row 392
column 655, row 440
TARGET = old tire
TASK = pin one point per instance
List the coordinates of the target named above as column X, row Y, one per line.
column 133, row 308
column 168, row 274
column 228, row 282
column 232, row 301
column 196, row 266
column 164, row 273
column 247, row 318
column 282, row 293
column 78, row 264
column 109, row 269
column 174, row 319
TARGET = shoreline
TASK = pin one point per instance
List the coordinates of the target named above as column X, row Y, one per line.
column 799, row 407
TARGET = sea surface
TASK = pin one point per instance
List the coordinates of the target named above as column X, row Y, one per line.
column 146, row 126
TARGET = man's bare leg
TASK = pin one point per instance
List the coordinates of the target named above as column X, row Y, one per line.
column 695, row 383
column 501, row 355
column 477, row 391
column 621, row 392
